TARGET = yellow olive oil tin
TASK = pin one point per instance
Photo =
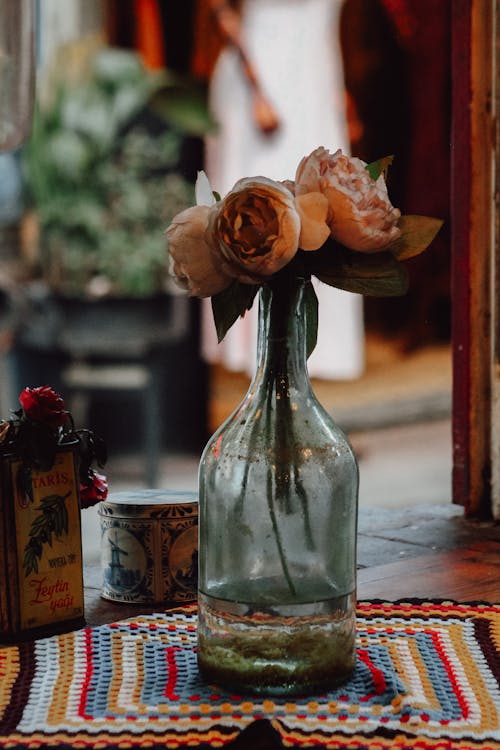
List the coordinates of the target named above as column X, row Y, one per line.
column 149, row 546
column 41, row 569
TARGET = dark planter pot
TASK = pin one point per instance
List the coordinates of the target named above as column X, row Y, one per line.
column 126, row 327
column 161, row 332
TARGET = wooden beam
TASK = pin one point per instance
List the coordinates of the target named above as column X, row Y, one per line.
column 495, row 396
column 472, row 251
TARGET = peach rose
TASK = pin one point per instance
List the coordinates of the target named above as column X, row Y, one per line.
column 313, row 210
column 256, row 228
column 360, row 214
column 193, row 261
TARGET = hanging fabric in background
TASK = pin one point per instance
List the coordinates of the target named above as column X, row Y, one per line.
column 149, row 36
column 294, row 48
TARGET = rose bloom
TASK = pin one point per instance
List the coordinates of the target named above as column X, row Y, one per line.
column 43, row 405
column 360, row 214
column 95, row 491
column 313, row 210
column 193, row 261
column 256, row 227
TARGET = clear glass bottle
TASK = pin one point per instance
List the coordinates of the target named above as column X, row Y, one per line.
column 278, row 523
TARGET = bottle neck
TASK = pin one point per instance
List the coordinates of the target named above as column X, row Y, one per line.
column 281, row 348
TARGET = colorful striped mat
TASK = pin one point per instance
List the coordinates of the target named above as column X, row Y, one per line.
column 427, row 677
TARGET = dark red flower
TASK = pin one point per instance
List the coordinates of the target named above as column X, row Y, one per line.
column 43, row 405
column 94, row 491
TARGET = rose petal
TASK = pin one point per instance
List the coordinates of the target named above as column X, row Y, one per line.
column 364, row 231
column 308, row 172
column 203, row 190
column 256, row 227
column 193, row 259
column 43, row 405
column 289, row 185
column 360, row 215
column 313, row 211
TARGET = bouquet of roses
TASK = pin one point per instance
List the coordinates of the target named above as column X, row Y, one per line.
column 333, row 221
column 39, row 428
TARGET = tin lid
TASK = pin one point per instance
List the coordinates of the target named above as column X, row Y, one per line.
column 148, row 503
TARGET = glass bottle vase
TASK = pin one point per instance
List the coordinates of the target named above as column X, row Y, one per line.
column 278, row 522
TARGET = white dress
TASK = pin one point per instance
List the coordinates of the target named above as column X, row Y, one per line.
column 294, row 47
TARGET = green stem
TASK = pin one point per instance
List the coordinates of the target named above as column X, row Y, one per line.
column 277, row 535
column 271, row 492
column 305, row 508
column 283, row 430
column 253, row 430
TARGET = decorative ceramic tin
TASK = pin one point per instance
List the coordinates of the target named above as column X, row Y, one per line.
column 149, row 546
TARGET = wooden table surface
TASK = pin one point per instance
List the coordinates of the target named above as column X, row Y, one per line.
column 465, row 574
column 468, row 571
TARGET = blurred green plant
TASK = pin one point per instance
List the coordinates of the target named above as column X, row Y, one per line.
column 103, row 184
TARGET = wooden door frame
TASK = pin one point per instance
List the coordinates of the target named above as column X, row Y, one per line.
column 495, row 395
column 474, row 242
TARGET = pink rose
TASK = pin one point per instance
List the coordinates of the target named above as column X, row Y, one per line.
column 360, row 214
column 256, row 228
column 193, row 259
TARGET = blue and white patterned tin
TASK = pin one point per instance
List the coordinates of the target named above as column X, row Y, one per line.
column 149, row 546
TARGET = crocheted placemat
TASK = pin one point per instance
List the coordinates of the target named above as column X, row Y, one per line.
column 427, row 677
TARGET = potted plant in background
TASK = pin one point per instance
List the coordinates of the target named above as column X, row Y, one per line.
column 102, row 172
column 105, row 171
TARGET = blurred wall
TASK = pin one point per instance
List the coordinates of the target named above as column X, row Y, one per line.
column 63, row 21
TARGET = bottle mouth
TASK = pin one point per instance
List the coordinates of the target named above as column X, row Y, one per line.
column 288, row 279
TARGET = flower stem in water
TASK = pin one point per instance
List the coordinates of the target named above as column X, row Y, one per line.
column 277, row 535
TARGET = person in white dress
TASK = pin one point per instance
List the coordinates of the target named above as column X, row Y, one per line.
column 293, row 49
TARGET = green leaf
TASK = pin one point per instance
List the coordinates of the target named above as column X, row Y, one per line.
column 417, row 233
column 377, row 275
column 230, row 304
column 376, row 168
column 30, row 562
column 183, row 104
column 113, row 65
column 311, row 305
column 54, row 518
column 64, row 518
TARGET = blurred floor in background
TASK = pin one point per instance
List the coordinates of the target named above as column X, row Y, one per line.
column 396, row 387
column 397, row 417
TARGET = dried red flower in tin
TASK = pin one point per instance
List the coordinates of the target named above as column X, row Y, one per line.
column 93, row 489
column 44, row 405
column 39, row 429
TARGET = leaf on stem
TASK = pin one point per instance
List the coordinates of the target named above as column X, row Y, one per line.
column 183, row 104
column 311, row 306
column 376, row 168
column 230, row 304
column 377, row 275
column 417, row 233
column 53, row 519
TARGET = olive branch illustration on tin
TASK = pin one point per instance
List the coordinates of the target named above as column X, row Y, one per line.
column 53, row 519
